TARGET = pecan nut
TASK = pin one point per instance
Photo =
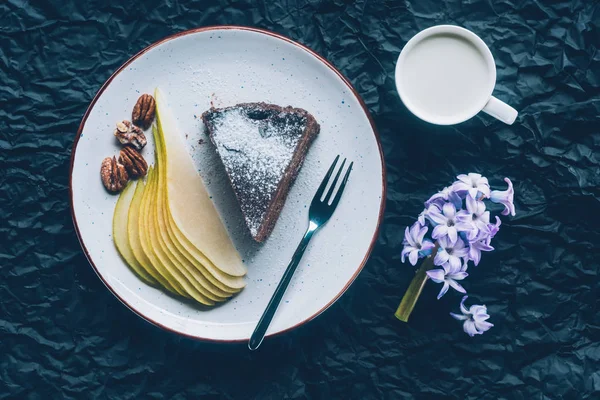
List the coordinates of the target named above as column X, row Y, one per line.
column 129, row 134
column 113, row 175
column 143, row 111
column 133, row 162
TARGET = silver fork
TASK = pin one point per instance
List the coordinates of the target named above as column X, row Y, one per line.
column 318, row 214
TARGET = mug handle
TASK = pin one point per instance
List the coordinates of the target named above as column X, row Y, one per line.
column 500, row 110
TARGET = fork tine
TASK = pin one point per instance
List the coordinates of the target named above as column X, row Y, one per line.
column 338, row 195
column 334, row 183
column 323, row 184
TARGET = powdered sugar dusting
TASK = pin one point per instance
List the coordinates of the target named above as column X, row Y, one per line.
column 256, row 151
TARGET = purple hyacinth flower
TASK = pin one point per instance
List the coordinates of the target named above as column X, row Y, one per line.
column 448, row 276
column 475, row 249
column 475, row 318
column 414, row 245
column 475, row 215
column 447, row 194
column 447, row 223
column 425, row 213
column 505, row 197
column 450, row 253
column 472, row 184
column 492, row 230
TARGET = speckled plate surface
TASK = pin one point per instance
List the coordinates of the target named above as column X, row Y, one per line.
column 224, row 66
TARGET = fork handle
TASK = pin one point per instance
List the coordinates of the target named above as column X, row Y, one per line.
column 264, row 322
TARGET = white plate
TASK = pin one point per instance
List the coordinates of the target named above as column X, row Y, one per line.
column 224, row 66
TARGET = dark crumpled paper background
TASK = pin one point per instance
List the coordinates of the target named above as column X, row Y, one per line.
column 63, row 335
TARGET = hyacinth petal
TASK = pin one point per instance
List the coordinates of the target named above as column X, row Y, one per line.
column 478, row 310
column 463, row 309
column 447, row 268
column 463, row 216
column 427, row 245
column 455, row 199
column 444, row 242
column 484, row 246
column 469, row 328
column 414, row 231
column 460, row 245
column 421, row 234
column 496, row 226
column 511, row 209
column 449, row 210
column 473, row 192
column 408, row 238
column 461, row 188
column 458, row 276
column 439, row 196
column 426, row 249
column 471, row 203
column 436, row 275
column 459, row 317
column 454, row 263
column 485, row 190
column 505, row 197
column 465, row 265
column 413, row 257
column 456, row 286
column 439, row 231
column 436, row 216
column 472, row 235
column 485, row 217
column 475, row 255
column 405, row 251
column 443, row 290
column 483, row 326
column 479, row 207
column 464, row 178
column 452, row 234
column 461, row 252
column 421, row 217
column 441, row 257
column 463, row 227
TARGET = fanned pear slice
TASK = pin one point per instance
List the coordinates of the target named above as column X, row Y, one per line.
column 154, row 251
column 222, row 284
column 187, row 282
column 144, row 236
column 120, row 236
column 190, row 206
column 221, row 279
column 199, row 275
column 227, row 283
column 133, row 235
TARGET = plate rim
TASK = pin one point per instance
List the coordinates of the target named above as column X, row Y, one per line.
column 277, row 36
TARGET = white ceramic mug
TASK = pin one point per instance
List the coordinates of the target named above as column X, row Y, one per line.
column 446, row 74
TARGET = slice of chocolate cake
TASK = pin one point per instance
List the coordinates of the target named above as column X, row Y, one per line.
column 262, row 147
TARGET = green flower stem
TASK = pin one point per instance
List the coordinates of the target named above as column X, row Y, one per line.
column 415, row 288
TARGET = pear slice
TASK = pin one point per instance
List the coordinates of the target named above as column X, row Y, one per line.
column 199, row 274
column 222, row 284
column 218, row 277
column 153, row 251
column 133, row 234
column 195, row 277
column 191, row 209
column 120, row 236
